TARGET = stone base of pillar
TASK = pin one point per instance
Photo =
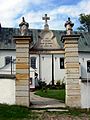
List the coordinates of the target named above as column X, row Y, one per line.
column 73, row 101
column 24, row 101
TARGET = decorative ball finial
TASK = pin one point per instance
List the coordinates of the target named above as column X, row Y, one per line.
column 69, row 26
column 24, row 27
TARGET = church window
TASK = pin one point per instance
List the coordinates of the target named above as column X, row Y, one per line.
column 33, row 62
column 7, row 60
column 61, row 63
column 88, row 66
column 30, row 81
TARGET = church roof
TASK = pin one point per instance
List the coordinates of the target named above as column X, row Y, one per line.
column 84, row 42
column 7, row 41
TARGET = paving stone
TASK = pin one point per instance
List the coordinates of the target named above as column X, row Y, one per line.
column 57, row 110
column 41, row 102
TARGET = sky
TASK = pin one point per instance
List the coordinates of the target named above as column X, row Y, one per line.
column 12, row 11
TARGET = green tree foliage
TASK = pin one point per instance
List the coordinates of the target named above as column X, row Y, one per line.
column 85, row 22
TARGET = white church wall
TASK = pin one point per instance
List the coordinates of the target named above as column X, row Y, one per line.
column 7, row 69
column 83, row 58
column 46, row 68
column 85, row 97
column 7, row 91
column 32, row 75
column 59, row 74
column 7, row 86
column 2, row 61
column 5, row 53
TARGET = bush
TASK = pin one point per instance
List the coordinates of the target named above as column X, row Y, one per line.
column 58, row 82
column 62, row 86
column 42, row 84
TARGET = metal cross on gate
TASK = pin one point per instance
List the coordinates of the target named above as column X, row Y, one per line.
column 45, row 18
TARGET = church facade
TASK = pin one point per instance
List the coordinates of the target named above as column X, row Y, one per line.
column 47, row 59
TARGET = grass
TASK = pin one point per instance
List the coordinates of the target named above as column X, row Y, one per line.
column 14, row 112
column 50, row 93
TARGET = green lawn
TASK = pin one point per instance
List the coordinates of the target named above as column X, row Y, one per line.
column 13, row 112
column 56, row 94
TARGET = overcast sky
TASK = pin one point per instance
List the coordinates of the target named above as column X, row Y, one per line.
column 12, row 11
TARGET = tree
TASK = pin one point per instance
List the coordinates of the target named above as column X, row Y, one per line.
column 85, row 21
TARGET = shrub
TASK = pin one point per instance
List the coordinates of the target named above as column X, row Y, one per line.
column 58, row 82
column 42, row 84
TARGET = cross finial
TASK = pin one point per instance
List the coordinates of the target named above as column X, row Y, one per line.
column 46, row 26
column 46, row 18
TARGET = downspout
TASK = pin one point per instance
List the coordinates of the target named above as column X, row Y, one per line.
column 52, row 70
column 39, row 68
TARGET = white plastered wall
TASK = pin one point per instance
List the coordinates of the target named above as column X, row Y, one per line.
column 85, row 88
column 7, row 91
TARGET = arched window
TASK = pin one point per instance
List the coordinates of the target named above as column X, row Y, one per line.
column 33, row 62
